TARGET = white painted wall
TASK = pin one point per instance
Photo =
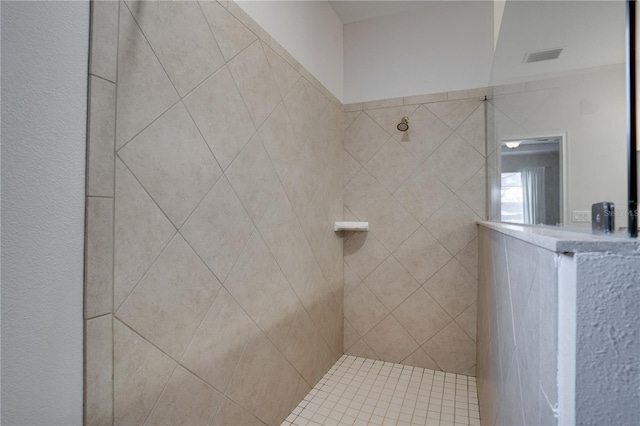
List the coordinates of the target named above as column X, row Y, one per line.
column 310, row 30
column 443, row 47
column 44, row 98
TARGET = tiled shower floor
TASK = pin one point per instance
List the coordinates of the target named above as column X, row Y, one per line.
column 360, row 391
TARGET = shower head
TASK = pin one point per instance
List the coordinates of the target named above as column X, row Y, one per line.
column 403, row 126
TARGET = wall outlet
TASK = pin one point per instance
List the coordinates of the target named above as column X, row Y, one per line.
column 580, row 216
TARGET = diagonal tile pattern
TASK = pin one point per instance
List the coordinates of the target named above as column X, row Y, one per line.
column 143, row 91
column 230, row 165
column 226, row 296
column 188, row 53
column 220, row 114
column 411, row 283
column 173, row 163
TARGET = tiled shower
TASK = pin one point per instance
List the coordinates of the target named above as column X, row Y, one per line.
column 411, row 282
column 216, row 289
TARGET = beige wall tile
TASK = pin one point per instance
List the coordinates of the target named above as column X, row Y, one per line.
column 455, row 162
column 280, row 140
column 452, row 349
column 391, row 223
column 173, row 163
column 421, row 316
column 454, row 225
column 253, row 178
column 189, row 53
column 101, row 141
column 220, row 114
column 473, row 129
column 144, row 90
column 363, row 310
column 454, row 113
column 392, row 165
column 99, row 257
column 352, row 107
column 480, row 93
column 142, row 231
column 363, row 350
column 263, row 382
column 219, row 342
column 243, row 17
column 391, row 283
column 284, row 54
column 185, row 400
column 220, row 218
column 468, row 257
column 351, row 280
column 385, row 103
column 423, row 193
column 298, row 262
column 426, row 133
column 351, row 336
column 420, row 359
column 349, row 117
column 252, row 73
column 255, row 277
column 232, row 36
column 390, row 341
column 422, row 255
column 468, row 319
column 140, row 372
column 283, row 299
column 302, row 181
column 305, row 105
column 169, row 303
column 231, row 414
column 363, row 138
column 453, row 288
column 99, row 371
column 388, row 118
column 474, row 191
column 363, row 193
column 363, row 253
column 104, row 39
column 285, row 75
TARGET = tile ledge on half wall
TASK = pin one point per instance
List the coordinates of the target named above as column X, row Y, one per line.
column 563, row 240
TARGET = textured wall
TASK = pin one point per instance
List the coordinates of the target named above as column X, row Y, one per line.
column 411, row 281
column 607, row 371
column 517, row 331
column 212, row 269
column 44, row 106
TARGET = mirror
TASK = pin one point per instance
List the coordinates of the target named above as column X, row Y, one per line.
column 558, row 79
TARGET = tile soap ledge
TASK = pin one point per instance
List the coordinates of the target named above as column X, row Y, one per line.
column 351, row 226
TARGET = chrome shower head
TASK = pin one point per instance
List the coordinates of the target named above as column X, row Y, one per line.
column 403, row 126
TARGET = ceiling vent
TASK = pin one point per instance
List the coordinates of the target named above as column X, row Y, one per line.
column 545, row 55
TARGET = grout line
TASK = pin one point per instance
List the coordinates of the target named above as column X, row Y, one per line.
column 113, row 215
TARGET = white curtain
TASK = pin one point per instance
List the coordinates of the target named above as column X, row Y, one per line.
column 533, row 195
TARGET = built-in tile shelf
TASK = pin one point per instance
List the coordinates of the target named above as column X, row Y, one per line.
column 350, row 226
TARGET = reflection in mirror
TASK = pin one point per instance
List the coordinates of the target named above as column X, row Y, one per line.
column 530, row 181
column 575, row 98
